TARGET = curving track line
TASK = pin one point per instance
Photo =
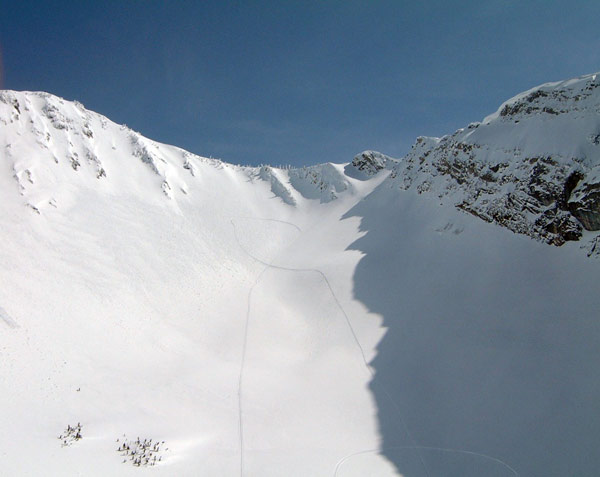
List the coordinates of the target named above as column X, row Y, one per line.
column 7, row 319
column 245, row 339
column 346, row 318
column 440, row 449
column 265, row 220
column 415, row 447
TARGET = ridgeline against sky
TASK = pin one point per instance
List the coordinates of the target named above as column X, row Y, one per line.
column 295, row 82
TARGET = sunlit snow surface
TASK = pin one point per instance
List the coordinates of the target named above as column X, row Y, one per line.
column 269, row 322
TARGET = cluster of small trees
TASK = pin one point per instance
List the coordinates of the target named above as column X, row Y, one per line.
column 70, row 435
column 141, row 452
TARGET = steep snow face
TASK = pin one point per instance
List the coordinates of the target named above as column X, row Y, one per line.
column 49, row 143
column 533, row 166
column 148, row 292
column 325, row 182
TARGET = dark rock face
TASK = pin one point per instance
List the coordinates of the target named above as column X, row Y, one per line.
column 585, row 205
column 369, row 162
column 539, row 202
column 593, row 247
column 560, row 225
column 539, row 101
column 570, row 185
column 537, row 205
column 532, row 167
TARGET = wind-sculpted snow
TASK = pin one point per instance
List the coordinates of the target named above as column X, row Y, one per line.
column 50, row 142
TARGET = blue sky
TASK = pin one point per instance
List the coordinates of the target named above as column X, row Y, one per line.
column 295, row 82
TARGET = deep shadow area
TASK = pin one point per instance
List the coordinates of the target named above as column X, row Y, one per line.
column 492, row 343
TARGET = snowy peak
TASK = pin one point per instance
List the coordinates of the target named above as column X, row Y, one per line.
column 551, row 98
column 52, row 144
column 559, row 117
column 322, row 182
column 532, row 167
column 367, row 164
column 49, row 143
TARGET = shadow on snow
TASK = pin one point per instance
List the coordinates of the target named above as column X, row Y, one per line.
column 490, row 364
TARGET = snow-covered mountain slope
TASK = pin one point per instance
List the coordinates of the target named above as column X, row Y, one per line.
column 140, row 297
column 49, row 142
column 343, row 320
column 533, row 166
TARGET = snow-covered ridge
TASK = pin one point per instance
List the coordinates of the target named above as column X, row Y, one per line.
column 533, row 166
column 324, row 182
column 49, row 143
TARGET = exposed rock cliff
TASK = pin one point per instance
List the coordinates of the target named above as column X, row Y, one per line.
column 533, row 166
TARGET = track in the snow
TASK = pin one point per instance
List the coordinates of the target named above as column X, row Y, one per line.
column 6, row 318
column 346, row 318
column 419, row 448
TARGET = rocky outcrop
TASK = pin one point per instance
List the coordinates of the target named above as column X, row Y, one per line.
column 585, row 205
column 536, row 196
column 532, row 167
column 370, row 162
